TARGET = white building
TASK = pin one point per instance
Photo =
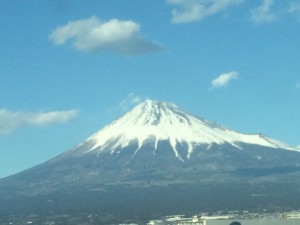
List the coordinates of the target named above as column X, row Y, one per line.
column 292, row 215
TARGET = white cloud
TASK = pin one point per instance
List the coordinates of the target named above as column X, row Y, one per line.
column 193, row 10
column 294, row 8
column 12, row 120
column 263, row 13
column 224, row 79
column 115, row 35
column 129, row 101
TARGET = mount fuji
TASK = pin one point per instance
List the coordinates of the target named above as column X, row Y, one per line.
column 158, row 159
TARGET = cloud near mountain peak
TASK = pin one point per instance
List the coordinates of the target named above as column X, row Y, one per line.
column 12, row 120
column 193, row 10
column 95, row 35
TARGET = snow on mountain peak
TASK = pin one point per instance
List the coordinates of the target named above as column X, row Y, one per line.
column 160, row 121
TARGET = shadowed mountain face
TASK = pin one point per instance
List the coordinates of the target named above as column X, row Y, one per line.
column 158, row 159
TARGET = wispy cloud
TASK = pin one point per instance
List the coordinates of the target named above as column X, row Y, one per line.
column 129, row 101
column 224, row 79
column 294, row 8
column 263, row 13
column 193, row 10
column 12, row 120
column 115, row 35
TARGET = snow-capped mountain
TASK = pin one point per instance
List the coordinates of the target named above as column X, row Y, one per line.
column 159, row 158
column 155, row 121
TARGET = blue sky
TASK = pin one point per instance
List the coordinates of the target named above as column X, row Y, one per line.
column 70, row 67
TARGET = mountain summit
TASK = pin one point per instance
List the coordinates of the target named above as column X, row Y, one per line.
column 158, row 159
column 155, row 121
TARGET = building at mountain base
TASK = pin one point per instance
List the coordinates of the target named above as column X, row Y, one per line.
column 284, row 218
column 182, row 220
